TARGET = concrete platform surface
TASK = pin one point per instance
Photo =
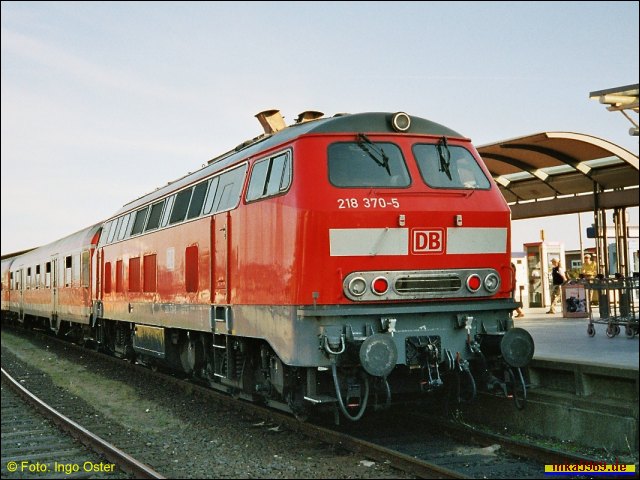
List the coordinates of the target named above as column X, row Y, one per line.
column 565, row 340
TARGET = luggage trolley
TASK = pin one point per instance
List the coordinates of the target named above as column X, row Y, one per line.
column 617, row 305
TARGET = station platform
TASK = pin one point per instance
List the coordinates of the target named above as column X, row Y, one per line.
column 565, row 340
column 581, row 389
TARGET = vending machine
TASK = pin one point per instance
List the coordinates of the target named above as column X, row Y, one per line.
column 539, row 255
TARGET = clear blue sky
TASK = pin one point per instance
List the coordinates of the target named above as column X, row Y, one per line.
column 103, row 102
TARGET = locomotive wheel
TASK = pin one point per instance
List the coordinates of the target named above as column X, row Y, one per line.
column 591, row 331
column 517, row 387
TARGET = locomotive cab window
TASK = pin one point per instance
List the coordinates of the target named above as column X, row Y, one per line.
column 444, row 166
column 270, row 177
column 367, row 164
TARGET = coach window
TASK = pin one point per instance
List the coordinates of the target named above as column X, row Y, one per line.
column 85, row 268
column 367, row 164
column 138, row 223
column 28, row 278
column 197, row 200
column 37, row 276
column 446, row 166
column 68, row 264
column 154, row 216
column 167, row 211
column 12, row 284
column 47, row 275
column 211, row 195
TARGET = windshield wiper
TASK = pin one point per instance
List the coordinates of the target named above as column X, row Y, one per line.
column 445, row 157
column 367, row 145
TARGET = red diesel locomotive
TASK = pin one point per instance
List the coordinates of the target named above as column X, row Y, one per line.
column 344, row 262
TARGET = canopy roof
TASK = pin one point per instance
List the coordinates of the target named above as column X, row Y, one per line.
column 553, row 173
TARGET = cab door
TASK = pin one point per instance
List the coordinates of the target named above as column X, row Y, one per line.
column 220, row 236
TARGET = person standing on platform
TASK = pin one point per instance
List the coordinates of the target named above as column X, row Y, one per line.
column 558, row 277
column 589, row 272
column 589, row 268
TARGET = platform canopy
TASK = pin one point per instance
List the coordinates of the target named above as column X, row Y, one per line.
column 555, row 173
column 621, row 99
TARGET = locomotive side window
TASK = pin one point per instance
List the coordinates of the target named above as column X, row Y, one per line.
column 37, row 276
column 443, row 166
column 180, row 206
column 367, row 164
column 167, row 211
column 269, row 177
column 138, row 223
column 114, row 229
column 197, row 200
column 104, row 235
column 124, row 228
column 228, row 192
column 28, row 278
column 154, row 216
column 11, row 282
column 211, row 195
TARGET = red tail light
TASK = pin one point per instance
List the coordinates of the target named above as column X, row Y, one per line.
column 380, row 286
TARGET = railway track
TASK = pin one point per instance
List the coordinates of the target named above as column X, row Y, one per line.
column 32, row 446
column 421, row 446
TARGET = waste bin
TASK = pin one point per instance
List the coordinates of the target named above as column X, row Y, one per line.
column 574, row 300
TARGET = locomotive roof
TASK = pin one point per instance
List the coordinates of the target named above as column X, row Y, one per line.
column 370, row 123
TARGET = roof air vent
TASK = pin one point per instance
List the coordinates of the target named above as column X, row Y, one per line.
column 271, row 120
column 309, row 115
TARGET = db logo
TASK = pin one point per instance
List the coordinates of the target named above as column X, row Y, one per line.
column 428, row 241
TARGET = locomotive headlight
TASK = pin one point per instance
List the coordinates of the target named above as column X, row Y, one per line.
column 492, row 282
column 400, row 122
column 357, row 286
column 474, row 282
column 380, row 285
